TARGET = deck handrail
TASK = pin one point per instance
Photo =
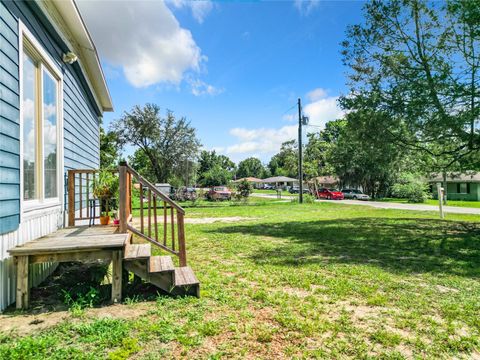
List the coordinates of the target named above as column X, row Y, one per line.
column 80, row 191
column 126, row 175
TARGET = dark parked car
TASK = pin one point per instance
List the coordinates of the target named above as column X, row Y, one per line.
column 329, row 194
column 268, row 187
column 355, row 194
column 296, row 190
column 185, row 194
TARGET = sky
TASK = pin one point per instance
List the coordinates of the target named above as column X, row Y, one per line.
column 234, row 69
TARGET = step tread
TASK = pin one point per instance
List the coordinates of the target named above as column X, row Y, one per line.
column 185, row 276
column 137, row 251
column 161, row 264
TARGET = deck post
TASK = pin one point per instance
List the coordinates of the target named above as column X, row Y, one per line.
column 122, row 186
column 71, row 198
column 182, row 252
column 23, row 292
column 117, row 273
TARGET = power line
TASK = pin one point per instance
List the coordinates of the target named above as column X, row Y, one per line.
column 293, row 106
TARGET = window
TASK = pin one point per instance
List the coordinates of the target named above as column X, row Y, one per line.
column 463, row 188
column 40, row 101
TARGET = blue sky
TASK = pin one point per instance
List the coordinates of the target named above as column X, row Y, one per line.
column 232, row 68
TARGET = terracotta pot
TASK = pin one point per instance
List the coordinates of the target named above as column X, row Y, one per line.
column 104, row 220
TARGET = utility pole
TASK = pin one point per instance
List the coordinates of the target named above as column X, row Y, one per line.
column 300, row 155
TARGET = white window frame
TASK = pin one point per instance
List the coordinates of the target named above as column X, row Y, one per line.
column 40, row 205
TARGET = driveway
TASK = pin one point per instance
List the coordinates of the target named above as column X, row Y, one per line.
column 416, row 207
column 392, row 205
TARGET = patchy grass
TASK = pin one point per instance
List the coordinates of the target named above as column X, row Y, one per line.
column 318, row 280
column 460, row 203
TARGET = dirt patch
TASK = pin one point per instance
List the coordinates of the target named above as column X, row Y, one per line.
column 204, row 220
column 444, row 289
column 301, row 293
column 26, row 324
column 211, row 220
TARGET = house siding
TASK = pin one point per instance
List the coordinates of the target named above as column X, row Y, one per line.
column 452, row 194
column 9, row 123
column 80, row 139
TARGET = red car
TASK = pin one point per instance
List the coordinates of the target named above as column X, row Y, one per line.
column 329, row 194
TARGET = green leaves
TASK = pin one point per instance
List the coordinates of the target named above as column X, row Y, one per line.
column 417, row 63
column 166, row 141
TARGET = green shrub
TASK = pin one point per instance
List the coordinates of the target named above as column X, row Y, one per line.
column 411, row 187
column 243, row 190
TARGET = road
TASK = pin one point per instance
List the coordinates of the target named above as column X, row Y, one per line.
column 392, row 205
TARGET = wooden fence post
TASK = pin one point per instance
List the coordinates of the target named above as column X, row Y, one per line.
column 182, row 252
column 122, row 197
column 71, row 198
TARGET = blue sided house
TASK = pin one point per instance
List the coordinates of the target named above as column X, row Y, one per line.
column 52, row 97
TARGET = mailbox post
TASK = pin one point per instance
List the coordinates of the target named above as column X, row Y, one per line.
column 440, row 192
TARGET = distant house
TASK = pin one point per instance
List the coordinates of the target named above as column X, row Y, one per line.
column 281, row 181
column 255, row 182
column 326, row 181
column 52, row 97
column 460, row 186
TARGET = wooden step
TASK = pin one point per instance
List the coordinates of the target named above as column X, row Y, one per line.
column 137, row 251
column 184, row 276
column 159, row 264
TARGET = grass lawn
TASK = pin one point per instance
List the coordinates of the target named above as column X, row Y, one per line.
column 472, row 204
column 318, row 280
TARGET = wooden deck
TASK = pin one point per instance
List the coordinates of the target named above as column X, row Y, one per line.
column 71, row 244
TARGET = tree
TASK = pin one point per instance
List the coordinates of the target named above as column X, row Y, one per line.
column 109, row 149
column 215, row 176
column 362, row 157
column 285, row 163
column 319, row 147
column 250, row 167
column 214, row 170
column 166, row 141
column 140, row 162
column 417, row 64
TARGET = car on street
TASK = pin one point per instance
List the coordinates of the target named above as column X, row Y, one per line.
column 296, row 190
column 355, row 194
column 268, row 187
column 329, row 194
column 219, row 193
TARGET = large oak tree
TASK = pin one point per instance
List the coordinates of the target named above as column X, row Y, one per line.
column 416, row 64
column 166, row 141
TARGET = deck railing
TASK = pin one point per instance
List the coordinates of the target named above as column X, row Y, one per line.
column 80, row 193
column 168, row 233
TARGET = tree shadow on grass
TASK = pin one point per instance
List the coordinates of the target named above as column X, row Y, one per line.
column 397, row 245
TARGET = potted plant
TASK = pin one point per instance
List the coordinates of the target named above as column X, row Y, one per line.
column 116, row 220
column 105, row 188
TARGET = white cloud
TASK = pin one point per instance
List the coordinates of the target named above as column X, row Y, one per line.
column 306, row 6
column 200, row 8
column 200, row 88
column 322, row 108
column 143, row 38
column 290, row 117
column 262, row 140
column 316, row 94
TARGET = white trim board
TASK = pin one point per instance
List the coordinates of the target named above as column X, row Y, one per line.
column 38, row 207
